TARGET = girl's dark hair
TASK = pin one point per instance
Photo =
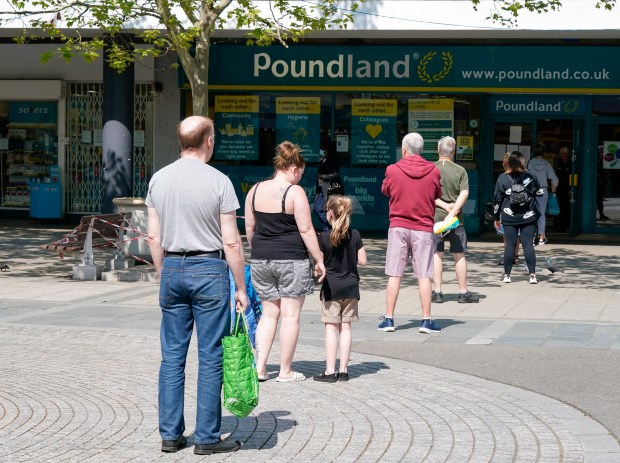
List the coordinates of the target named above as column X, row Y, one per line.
column 516, row 162
column 340, row 207
column 288, row 154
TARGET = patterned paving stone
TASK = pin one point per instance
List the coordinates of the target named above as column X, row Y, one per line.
column 90, row 395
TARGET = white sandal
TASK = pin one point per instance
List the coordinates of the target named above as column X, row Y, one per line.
column 296, row 376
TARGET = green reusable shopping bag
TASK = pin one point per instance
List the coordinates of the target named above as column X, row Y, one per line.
column 240, row 376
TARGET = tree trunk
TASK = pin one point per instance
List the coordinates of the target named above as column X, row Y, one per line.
column 198, row 76
column 200, row 92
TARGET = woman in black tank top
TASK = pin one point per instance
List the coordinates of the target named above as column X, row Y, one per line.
column 281, row 236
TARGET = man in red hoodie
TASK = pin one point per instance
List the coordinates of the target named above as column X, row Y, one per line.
column 413, row 185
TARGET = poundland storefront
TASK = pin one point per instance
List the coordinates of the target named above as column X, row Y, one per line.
column 365, row 98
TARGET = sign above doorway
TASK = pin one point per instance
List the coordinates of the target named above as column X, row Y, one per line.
column 537, row 105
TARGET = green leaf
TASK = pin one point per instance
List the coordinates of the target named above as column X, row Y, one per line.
column 48, row 55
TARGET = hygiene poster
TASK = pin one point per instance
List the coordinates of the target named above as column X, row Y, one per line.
column 433, row 119
column 236, row 128
column 373, row 131
column 298, row 120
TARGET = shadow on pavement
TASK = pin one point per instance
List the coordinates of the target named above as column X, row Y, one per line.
column 316, row 367
column 582, row 268
column 588, row 266
column 442, row 322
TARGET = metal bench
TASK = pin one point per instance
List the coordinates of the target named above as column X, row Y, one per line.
column 94, row 231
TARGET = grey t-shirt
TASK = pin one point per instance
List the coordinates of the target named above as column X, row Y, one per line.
column 189, row 197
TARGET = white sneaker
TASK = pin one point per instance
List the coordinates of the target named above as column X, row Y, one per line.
column 533, row 279
column 506, row 278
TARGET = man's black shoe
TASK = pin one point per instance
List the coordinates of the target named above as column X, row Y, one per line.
column 325, row 378
column 468, row 297
column 222, row 446
column 172, row 446
column 437, row 297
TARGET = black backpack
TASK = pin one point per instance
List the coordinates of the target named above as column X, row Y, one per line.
column 519, row 196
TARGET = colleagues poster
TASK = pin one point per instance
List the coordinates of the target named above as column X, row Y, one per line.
column 236, row 128
column 373, row 131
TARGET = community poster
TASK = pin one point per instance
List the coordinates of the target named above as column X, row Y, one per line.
column 433, row 119
column 373, row 131
column 236, row 127
column 298, row 119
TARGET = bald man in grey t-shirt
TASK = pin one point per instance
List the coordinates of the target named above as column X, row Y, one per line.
column 194, row 240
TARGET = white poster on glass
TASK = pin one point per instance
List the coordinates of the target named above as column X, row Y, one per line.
column 611, row 155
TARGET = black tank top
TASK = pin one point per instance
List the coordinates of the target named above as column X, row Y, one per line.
column 276, row 235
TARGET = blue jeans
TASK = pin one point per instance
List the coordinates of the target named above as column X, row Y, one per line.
column 541, row 205
column 319, row 210
column 192, row 290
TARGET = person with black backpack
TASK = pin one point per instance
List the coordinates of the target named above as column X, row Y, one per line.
column 514, row 207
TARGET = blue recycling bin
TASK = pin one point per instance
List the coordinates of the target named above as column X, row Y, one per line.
column 46, row 196
column 45, row 200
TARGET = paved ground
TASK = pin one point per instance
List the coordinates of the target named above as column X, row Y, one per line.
column 528, row 374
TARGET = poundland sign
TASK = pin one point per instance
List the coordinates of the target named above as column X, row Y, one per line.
column 537, row 105
column 342, row 66
column 411, row 67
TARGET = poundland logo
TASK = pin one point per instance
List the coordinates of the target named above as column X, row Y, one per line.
column 430, row 67
column 564, row 106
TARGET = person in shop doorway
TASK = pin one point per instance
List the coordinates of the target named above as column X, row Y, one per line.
column 328, row 181
column 454, row 194
column 564, row 170
column 540, row 168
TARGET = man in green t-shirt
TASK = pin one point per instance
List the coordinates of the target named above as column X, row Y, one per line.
column 455, row 190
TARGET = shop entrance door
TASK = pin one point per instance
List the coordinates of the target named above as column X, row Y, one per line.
column 555, row 134
column 574, row 201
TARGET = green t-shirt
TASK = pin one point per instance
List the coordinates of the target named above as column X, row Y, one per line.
column 453, row 180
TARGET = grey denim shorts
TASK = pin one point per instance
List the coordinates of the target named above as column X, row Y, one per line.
column 275, row 279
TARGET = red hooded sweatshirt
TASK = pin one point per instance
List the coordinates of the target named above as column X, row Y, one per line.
column 412, row 184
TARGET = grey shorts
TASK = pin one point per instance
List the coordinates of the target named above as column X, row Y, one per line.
column 457, row 238
column 275, row 279
column 405, row 244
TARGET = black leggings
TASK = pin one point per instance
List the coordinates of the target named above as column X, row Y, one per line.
column 511, row 233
